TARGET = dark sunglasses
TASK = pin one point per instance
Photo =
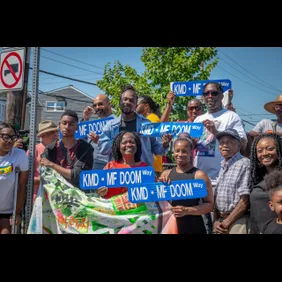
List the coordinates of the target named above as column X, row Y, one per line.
column 8, row 138
column 197, row 108
column 213, row 93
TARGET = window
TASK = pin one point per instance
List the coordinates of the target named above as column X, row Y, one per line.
column 58, row 106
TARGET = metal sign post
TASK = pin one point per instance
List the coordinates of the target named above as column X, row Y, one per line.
column 32, row 137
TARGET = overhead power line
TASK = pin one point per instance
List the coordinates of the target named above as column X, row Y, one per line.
column 247, row 82
column 271, row 88
column 70, row 78
column 70, row 58
column 69, row 65
column 247, row 70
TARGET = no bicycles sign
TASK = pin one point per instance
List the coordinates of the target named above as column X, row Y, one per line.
column 12, row 69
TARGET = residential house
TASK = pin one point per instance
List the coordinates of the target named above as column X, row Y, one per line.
column 52, row 104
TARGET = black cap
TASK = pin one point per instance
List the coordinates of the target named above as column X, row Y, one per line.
column 230, row 132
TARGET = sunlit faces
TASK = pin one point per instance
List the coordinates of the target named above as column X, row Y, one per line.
column 7, row 139
column 128, row 144
column 228, row 146
column 128, row 102
column 68, row 126
column 267, row 152
column 212, row 97
column 182, row 152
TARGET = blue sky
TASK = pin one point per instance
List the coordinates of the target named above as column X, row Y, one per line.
column 255, row 72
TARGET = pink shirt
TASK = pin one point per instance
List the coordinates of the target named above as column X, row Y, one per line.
column 39, row 149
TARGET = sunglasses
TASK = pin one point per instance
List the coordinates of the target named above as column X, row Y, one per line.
column 8, row 138
column 197, row 108
column 213, row 93
column 278, row 107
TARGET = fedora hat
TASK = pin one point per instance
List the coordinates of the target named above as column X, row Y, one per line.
column 46, row 126
column 270, row 105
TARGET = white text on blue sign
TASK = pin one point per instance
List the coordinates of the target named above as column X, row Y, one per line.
column 176, row 190
column 194, row 88
column 94, row 179
column 96, row 126
column 157, row 129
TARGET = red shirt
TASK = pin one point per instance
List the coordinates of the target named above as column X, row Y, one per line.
column 117, row 191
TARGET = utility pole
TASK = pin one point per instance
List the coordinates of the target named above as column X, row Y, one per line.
column 16, row 100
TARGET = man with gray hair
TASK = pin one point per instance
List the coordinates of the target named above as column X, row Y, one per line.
column 231, row 195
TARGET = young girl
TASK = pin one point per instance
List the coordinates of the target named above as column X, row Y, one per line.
column 273, row 184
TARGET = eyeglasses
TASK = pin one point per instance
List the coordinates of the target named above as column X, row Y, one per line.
column 213, row 93
column 8, row 138
column 197, row 108
column 278, row 107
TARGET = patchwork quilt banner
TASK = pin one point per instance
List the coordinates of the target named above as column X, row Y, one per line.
column 67, row 209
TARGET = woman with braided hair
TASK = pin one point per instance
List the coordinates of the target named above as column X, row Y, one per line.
column 266, row 156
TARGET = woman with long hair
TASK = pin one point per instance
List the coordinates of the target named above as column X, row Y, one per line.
column 11, row 158
column 266, row 156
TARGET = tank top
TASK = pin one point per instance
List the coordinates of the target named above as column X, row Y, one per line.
column 189, row 224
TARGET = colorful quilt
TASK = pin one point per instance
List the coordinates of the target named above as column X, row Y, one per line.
column 67, row 209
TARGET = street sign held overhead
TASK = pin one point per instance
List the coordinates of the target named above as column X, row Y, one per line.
column 12, row 65
column 195, row 88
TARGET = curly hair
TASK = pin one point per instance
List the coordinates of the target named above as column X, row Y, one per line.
column 273, row 182
column 258, row 172
column 116, row 146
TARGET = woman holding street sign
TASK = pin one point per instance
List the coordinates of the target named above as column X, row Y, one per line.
column 11, row 160
column 188, row 212
column 126, row 153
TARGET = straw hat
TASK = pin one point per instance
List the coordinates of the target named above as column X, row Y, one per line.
column 270, row 105
column 46, row 126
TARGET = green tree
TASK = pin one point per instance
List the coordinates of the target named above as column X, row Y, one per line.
column 162, row 66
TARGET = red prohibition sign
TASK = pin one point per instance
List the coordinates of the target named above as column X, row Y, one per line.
column 17, row 79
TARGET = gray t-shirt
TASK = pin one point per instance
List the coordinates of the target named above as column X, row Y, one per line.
column 266, row 125
column 15, row 158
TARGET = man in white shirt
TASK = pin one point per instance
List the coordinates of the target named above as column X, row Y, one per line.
column 268, row 125
column 217, row 119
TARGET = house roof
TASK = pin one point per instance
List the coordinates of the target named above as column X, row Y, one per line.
column 69, row 86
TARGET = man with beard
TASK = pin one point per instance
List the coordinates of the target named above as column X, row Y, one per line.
column 102, row 108
column 130, row 121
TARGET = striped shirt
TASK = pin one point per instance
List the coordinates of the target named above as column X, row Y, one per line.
column 233, row 182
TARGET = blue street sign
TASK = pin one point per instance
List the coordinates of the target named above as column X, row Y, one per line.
column 85, row 127
column 177, row 190
column 194, row 88
column 123, row 177
column 157, row 129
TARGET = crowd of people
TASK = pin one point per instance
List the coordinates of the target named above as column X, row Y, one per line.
column 242, row 170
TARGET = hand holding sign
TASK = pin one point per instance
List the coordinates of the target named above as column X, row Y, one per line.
column 102, row 191
column 87, row 113
column 210, row 126
column 166, row 138
column 94, row 137
column 170, row 98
